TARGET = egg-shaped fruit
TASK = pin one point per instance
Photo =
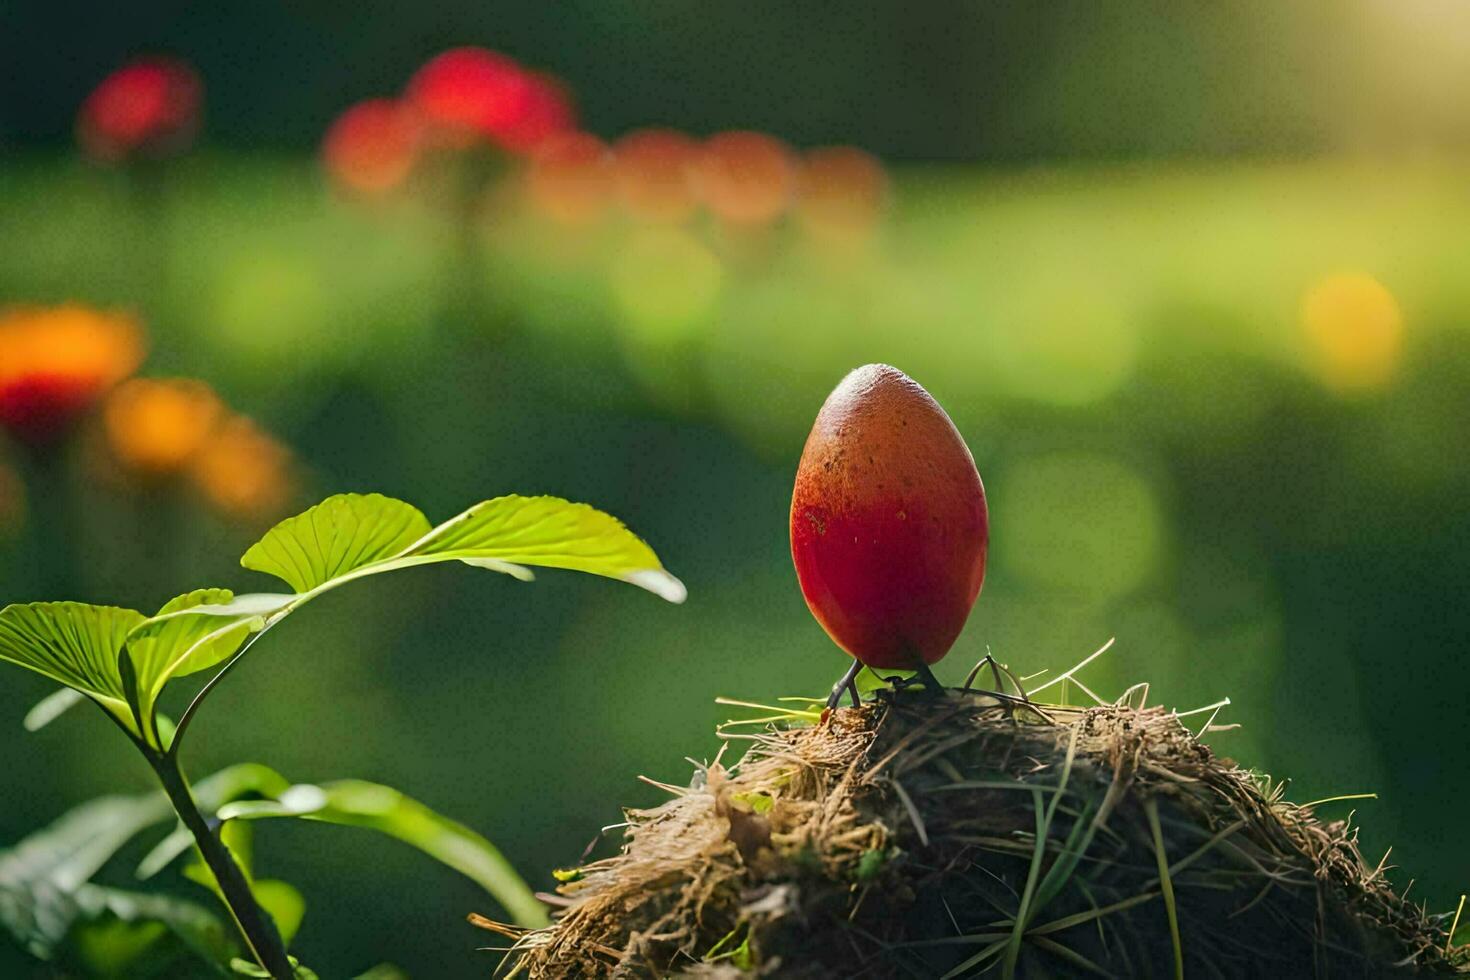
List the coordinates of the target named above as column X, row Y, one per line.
column 888, row 522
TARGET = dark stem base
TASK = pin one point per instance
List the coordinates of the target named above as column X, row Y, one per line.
column 255, row 925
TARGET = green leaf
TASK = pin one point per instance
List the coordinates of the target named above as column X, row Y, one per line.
column 112, row 929
column 51, row 707
column 869, row 680
column 70, row 850
column 383, row 971
column 245, row 968
column 45, row 889
column 337, row 536
column 74, row 644
column 351, row 535
column 172, row 644
column 111, row 948
column 239, row 841
column 284, row 903
column 552, row 533
column 355, row 803
column 41, row 875
column 871, row 864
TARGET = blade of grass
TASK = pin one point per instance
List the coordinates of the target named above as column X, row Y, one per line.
column 1033, row 877
column 1338, row 799
column 1070, row 955
column 1067, row 922
column 989, row 952
column 1064, row 676
column 1076, row 843
column 913, row 811
column 1073, row 850
column 986, row 784
column 1166, row 885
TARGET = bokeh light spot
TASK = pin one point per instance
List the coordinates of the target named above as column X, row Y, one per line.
column 571, row 178
column 1079, row 524
column 1073, row 346
column 244, row 472
column 467, row 94
column 55, row 362
column 269, row 306
column 843, row 191
column 665, row 283
column 151, row 106
column 372, row 147
column 1355, row 329
column 156, row 425
column 655, row 174
column 746, row 178
column 546, row 112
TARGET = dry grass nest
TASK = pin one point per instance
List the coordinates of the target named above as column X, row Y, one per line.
column 975, row 834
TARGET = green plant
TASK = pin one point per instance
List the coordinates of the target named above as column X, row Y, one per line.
column 122, row 660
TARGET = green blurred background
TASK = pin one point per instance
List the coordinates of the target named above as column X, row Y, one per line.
column 1105, row 229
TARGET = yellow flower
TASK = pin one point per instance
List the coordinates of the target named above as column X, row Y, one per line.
column 1355, row 330
column 157, row 425
column 56, row 362
column 243, row 471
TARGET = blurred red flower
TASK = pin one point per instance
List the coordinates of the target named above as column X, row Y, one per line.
column 655, row 174
column 468, row 94
column 546, row 112
column 56, row 362
column 150, row 106
column 746, row 178
column 372, row 147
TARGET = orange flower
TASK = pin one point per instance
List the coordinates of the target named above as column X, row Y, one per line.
column 1356, row 330
column 655, row 172
column 56, row 362
column 243, row 471
column 746, row 178
column 570, row 178
column 150, row 106
column 156, row 426
column 372, row 146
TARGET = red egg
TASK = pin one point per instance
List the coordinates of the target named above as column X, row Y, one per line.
column 888, row 522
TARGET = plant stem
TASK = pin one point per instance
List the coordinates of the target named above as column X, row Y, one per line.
column 257, row 928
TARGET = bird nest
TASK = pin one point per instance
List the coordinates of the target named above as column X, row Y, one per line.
column 914, row 836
